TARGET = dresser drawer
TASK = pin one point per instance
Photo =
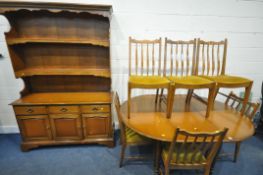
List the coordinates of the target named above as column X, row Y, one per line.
column 95, row 108
column 63, row 109
column 30, row 110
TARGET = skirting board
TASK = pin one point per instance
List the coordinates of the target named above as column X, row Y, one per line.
column 8, row 129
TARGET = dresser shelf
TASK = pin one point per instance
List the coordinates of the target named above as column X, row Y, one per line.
column 14, row 41
column 63, row 71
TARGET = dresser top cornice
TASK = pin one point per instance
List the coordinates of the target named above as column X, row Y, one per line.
column 14, row 5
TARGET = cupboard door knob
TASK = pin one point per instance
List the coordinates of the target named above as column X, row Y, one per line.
column 63, row 109
column 30, row 110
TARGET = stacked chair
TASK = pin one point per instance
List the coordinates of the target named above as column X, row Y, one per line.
column 145, row 67
column 211, row 64
column 180, row 56
column 235, row 103
column 194, row 64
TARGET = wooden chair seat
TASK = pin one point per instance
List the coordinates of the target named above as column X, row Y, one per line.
column 190, row 81
column 133, row 137
column 181, row 158
column 228, row 80
column 148, row 81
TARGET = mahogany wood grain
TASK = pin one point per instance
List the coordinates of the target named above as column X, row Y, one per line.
column 150, row 120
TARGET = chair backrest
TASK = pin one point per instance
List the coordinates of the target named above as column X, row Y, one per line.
column 145, row 57
column 211, row 57
column 236, row 102
column 179, row 57
column 121, row 124
column 197, row 148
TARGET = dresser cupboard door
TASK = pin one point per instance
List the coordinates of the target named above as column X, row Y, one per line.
column 66, row 126
column 35, row 127
column 96, row 125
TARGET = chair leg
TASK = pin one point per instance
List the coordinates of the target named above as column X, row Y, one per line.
column 210, row 101
column 122, row 153
column 129, row 100
column 156, row 96
column 170, row 101
column 237, row 148
column 189, row 96
column 161, row 95
column 246, row 97
column 157, row 157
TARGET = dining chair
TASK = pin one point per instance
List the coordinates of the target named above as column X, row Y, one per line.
column 235, row 103
column 128, row 137
column 211, row 63
column 145, row 67
column 197, row 151
column 179, row 67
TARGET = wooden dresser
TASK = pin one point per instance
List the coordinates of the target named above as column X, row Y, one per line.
column 62, row 53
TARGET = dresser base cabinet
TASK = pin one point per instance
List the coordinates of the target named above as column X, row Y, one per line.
column 85, row 119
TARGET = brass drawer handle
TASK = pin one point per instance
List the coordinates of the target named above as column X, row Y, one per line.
column 63, row 109
column 95, row 109
column 30, row 110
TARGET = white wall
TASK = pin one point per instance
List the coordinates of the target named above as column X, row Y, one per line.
column 241, row 21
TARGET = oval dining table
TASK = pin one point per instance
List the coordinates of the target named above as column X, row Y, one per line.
column 149, row 119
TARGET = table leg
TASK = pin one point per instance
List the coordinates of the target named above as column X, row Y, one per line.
column 157, row 157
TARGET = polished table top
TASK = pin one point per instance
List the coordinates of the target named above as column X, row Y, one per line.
column 150, row 120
